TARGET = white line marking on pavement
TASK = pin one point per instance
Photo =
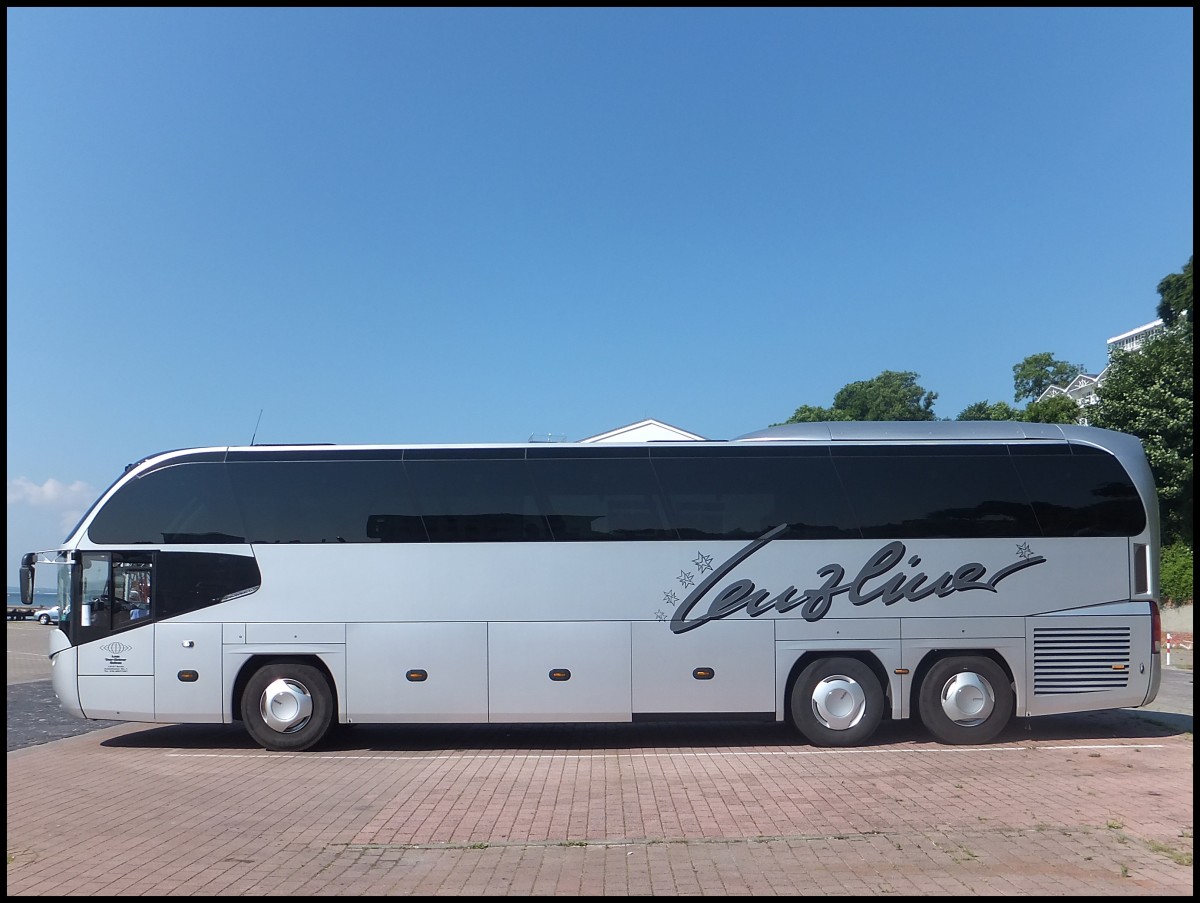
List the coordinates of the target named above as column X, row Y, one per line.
column 656, row 755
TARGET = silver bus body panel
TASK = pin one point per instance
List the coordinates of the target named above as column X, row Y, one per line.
column 116, row 676
column 837, row 628
column 522, row 655
column 291, row 633
column 740, row 654
column 130, row 654
column 454, row 657
column 1074, row 659
column 118, row 697
column 64, row 676
column 431, row 587
column 600, row 581
column 189, row 647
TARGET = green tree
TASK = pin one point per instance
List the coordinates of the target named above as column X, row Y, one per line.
column 889, row 396
column 1039, row 372
column 1176, row 294
column 1177, row 573
column 1055, row 409
column 807, row 413
column 892, row 395
column 1148, row 392
column 982, row 410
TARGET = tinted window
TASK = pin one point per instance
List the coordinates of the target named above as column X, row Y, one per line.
column 1086, row 493
column 185, row 503
column 904, row 492
column 186, row 581
column 319, row 501
column 743, row 495
column 600, row 498
column 570, row 493
column 477, row 501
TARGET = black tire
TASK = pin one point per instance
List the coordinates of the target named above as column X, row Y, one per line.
column 966, row 699
column 837, row 702
column 287, row 706
column 43, row 619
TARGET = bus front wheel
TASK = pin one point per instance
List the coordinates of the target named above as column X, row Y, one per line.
column 837, row 702
column 966, row 699
column 287, row 706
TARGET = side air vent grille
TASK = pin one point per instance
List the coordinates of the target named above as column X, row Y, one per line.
column 1080, row 659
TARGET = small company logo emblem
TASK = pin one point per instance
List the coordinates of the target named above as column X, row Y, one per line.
column 115, row 662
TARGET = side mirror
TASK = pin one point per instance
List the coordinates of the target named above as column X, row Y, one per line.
column 27, row 578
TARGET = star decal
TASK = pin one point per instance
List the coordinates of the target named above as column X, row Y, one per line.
column 702, row 562
column 686, row 579
column 670, row 598
column 661, row 615
column 1024, row 551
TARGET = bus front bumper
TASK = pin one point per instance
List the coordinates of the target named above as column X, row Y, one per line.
column 64, row 666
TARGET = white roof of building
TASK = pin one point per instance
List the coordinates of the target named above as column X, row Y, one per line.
column 1133, row 332
column 1081, row 384
column 646, row 431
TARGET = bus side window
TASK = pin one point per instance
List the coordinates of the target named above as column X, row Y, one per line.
column 95, row 610
column 131, row 590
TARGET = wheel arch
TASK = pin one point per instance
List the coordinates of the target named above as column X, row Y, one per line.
column 259, row 660
column 811, row 655
column 933, row 656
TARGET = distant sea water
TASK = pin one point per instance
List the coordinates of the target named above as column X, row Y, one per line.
column 40, row 599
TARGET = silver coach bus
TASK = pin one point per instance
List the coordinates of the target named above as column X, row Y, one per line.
column 828, row 574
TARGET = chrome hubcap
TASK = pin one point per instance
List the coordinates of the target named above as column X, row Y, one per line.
column 968, row 699
column 839, row 702
column 286, row 705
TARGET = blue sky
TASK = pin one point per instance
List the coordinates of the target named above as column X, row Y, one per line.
column 393, row 226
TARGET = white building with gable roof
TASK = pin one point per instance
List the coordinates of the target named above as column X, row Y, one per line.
column 1082, row 389
column 646, row 431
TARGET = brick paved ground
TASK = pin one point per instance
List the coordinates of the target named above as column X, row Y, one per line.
column 1095, row 804
column 1064, row 806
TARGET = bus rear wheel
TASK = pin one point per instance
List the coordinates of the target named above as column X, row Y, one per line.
column 837, row 702
column 287, row 706
column 966, row 699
